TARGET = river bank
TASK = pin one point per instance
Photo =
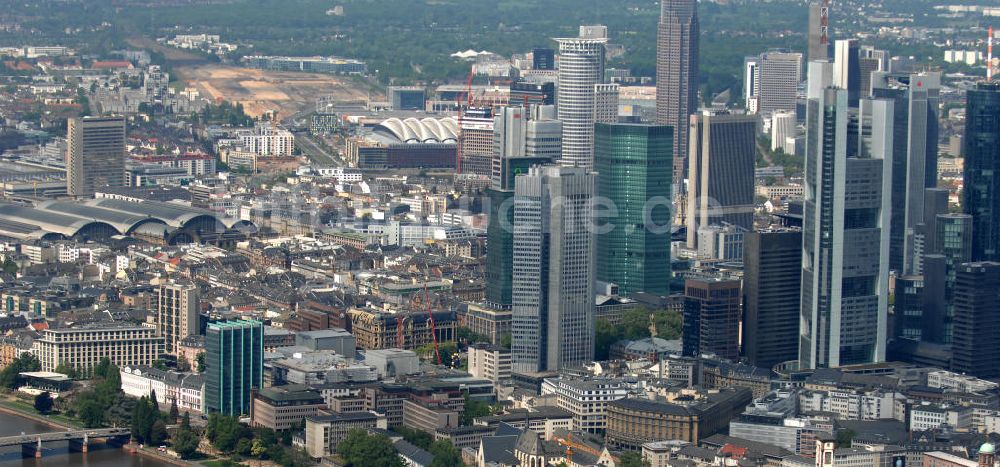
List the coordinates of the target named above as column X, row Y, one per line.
column 140, row 457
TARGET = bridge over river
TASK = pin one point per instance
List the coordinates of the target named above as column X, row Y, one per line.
column 31, row 445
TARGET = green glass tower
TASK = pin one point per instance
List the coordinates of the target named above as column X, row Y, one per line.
column 634, row 165
column 234, row 365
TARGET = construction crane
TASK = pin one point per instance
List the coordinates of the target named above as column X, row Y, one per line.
column 571, row 445
column 458, row 103
column 824, row 22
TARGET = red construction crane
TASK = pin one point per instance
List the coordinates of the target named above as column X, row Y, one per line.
column 430, row 317
column 824, row 21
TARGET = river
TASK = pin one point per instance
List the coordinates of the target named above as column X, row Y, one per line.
column 57, row 454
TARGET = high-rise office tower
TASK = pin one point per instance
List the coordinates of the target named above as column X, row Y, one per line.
column 976, row 347
column 522, row 138
column 784, row 129
column 772, row 276
column 543, row 59
column 981, row 197
column 952, row 248
column 634, row 163
column 177, row 309
column 476, row 139
column 819, row 45
column 845, row 254
column 935, row 202
column 606, row 103
column 751, row 84
column 677, row 73
column 914, row 160
column 95, row 154
column 871, row 60
column 581, row 68
column 776, row 81
column 712, row 318
column 234, row 365
column 847, row 69
column 721, row 171
column 554, row 270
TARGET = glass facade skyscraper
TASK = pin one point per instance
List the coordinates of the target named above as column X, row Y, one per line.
column 234, row 365
column 634, row 166
column 982, row 169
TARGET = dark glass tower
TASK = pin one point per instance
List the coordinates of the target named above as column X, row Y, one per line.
column 982, row 169
column 772, row 265
column 712, row 318
column 976, row 350
column 634, row 163
column 234, row 365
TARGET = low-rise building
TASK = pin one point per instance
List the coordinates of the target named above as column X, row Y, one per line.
column 587, row 399
column 184, row 389
column 83, row 347
column 284, row 407
column 688, row 416
column 545, row 420
column 429, row 417
column 489, row 362
column 324, row 432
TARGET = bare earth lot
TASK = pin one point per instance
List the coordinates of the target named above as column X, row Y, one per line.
column 286, row 93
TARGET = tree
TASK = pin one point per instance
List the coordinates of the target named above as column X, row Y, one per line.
column 174, row 411
column 845, row 437
column 225, row 432
column 418, row 438
column 10, row 377
column 90, row 411
column 43, row 402
column 200, row 360
column 505, row 340
column 359, row 449
column 445, row 454
column 67, row 370
column 185, row 441
column 154, row 402
column 258, row 449
column 473, row 409
column 9, row 266
column 631, row 459
column 143, row 418
column 158, row 433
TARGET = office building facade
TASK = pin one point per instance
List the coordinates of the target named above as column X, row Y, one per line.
column 915, row 100
column 83, row 347
column 721, row 171
column 177, row 309
column 634, row 163
column 846, row 231
column 981, row 197
column 523, row 137
column 976, row 348
column 772, row 275
column 554, row 270
column 712, row 314
column 95, row 154
column 234, row 365
column 677, row 73
column 476, row 142
column 772, row 82
column 581, row 68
